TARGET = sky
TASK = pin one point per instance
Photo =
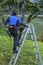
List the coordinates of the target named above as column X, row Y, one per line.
column 33, row 0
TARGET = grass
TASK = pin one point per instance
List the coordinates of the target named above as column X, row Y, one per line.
column 26, row 57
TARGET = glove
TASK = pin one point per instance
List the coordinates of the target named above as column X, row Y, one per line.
column 27, row 25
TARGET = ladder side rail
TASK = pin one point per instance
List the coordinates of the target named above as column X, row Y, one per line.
column 37, row 45
column 10, row 63
column 21, row 47
column 35, row 51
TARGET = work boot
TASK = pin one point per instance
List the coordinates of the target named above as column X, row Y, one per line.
column 18, row 45
column 15, row 51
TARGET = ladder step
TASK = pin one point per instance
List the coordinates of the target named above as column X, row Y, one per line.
column 37, row 53
column 32, row 39
column 35, row 47
column 30, row 33
column 38, row 59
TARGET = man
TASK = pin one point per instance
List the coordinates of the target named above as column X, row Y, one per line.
column 13, row 22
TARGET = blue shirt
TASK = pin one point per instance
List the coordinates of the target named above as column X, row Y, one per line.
column 12, row 20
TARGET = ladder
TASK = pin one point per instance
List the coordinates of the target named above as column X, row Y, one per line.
column 30, row 30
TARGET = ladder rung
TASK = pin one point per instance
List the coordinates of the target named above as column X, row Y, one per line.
column 37, row 53
column 32, row 39
column 38, row 59
column 35, row 47
column 31, row 33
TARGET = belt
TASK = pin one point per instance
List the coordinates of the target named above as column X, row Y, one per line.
column 11, row 27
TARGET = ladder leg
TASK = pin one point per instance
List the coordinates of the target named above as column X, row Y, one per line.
column 33, row 44
column 36, row 49
column 10, row 63
column 40, row 60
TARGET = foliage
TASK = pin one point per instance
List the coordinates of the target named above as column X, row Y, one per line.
column 3, row 2
column 6, row 43
column 13, row 5
column 0, row 10
column 26, row 56
column 38, row 25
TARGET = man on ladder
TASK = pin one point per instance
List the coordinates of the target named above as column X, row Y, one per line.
column 14, row 22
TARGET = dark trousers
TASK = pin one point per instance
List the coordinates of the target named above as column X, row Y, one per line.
column 20, row 30
column 14, row 33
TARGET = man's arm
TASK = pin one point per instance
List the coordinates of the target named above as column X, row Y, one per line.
column 23, row 24
column 5, row 22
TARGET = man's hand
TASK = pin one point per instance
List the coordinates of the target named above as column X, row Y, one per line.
column 27, row 25
column 2, row 18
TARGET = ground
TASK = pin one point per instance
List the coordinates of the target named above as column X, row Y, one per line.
column 26, row 57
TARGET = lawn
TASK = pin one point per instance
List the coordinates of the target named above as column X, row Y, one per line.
column 26, row 57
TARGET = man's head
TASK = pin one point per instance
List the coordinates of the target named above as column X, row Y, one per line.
column 14, row 13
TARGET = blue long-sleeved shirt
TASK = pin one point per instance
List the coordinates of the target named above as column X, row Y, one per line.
column 12, row 20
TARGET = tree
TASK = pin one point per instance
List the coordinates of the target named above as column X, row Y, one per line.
column 41, row 2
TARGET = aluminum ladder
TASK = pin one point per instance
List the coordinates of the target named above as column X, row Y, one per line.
column 30, row 30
